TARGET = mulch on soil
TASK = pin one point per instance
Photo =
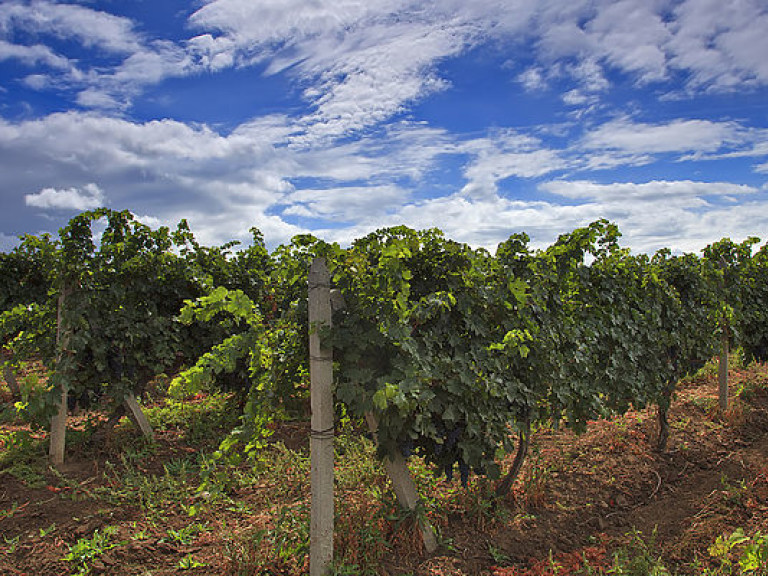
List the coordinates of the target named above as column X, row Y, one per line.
column 577, row 496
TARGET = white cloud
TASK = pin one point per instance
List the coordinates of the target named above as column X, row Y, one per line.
column 631, row 35
column 658, row 190
column 91, row 28
column 163, row 168
column 387, row 69
column 225, row 184
column 533, row 79
column 8, row 243
column 347, row 204
column 712, row 45
column 150, row 65
column 361, row 63
column 577, row 97
column 684, row 215
column 33, row 55
column 87, row 198
column 505, row 155
column 212, row 53
column 721, row 44
column 678, row 135
column 404, row 150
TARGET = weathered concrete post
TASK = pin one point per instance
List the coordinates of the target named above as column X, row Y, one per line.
column 321, row 437
column 722, row 376
column 58, row 435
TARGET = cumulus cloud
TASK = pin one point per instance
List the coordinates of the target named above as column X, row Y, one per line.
column 164, row 168
column 225, row 184
column 222, row 184
column 663, row 213
column 505, row 155
column 88, row 197
column 685, row 215
column 682, row 215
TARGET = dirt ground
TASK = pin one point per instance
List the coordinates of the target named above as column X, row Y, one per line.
column 577, row 496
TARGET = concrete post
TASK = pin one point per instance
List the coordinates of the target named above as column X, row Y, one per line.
column 321, row 437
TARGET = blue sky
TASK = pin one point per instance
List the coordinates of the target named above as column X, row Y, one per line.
column 338, row 117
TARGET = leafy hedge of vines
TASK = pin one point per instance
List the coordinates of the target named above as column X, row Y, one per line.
column 453, row 348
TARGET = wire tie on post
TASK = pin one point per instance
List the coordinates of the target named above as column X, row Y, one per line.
column 322, row 434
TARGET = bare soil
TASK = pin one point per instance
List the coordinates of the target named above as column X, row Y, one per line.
column 577, row 496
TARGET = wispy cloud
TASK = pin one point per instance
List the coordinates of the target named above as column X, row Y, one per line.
column 354, row 154
column 720, row 44
column 346, row 205
column 361, row 63
column 681, row 191
column 33, row 55
column 91, row 28
column 626, row 142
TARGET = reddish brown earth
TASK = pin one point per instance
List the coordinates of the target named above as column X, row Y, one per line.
column 576, row 496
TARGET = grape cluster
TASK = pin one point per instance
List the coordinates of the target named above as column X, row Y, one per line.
column 444, row 454
column 463, row 472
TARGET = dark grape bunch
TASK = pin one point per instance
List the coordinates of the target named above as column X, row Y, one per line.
column 444, row 454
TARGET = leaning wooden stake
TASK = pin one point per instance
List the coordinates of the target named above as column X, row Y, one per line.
column 321, row 437
column 59, row 419
column 13, row 384
column 396, row 468
column 137, row 416
column 404, row 487
column 505, row 485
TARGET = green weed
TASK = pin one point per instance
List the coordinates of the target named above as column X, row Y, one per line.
column 204, row 421
column 290, row 535
column 12, row 543
column 185, row 535
column 749, row 553
column 639, row 558
column 23, row 457
column 733, row 493
column 130, row 484
column 285, row 546
column 83, row 552
column 189, row 563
